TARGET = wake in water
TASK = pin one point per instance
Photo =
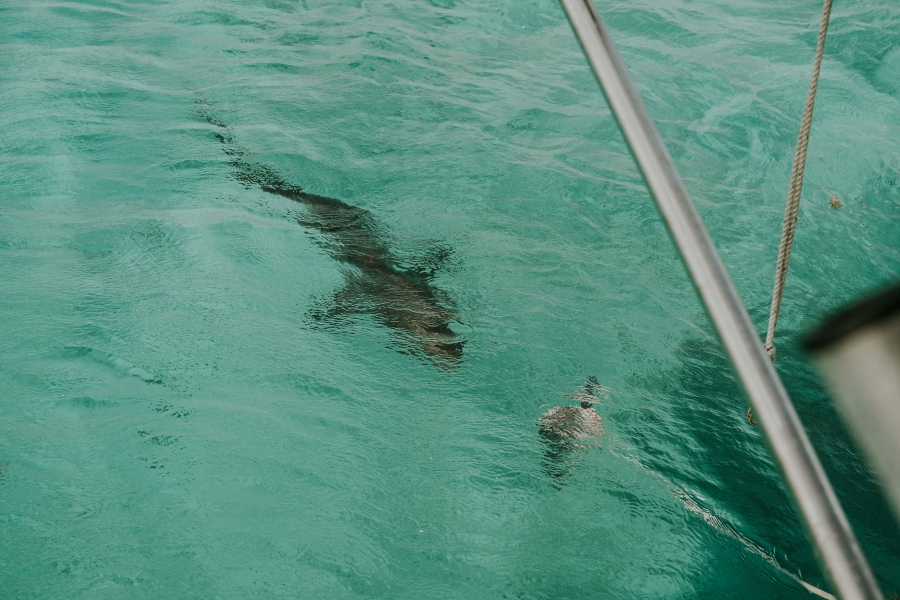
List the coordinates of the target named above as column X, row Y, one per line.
column 569, row 430
column 402, row 299
column 721, row 525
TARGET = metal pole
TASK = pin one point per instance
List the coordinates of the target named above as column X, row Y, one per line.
column 827, row 527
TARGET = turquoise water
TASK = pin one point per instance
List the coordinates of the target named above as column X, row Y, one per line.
column 208, row 388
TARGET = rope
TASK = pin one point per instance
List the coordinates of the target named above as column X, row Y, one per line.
column 793, row 201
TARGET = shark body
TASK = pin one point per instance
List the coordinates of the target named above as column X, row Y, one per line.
column 402, row 299
column 568, row 430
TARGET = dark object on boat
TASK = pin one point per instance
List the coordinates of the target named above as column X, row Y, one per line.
column 567, row 430
column 858, row 352
column 402, row 299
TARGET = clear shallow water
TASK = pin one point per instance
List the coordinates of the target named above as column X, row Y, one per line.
column 176, row 422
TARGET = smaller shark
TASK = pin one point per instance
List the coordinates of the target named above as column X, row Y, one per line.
column 402, row 299
column 567, row 430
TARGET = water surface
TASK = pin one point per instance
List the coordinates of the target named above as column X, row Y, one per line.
column 211, row 390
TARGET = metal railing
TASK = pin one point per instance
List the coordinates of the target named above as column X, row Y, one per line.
column 827, row 527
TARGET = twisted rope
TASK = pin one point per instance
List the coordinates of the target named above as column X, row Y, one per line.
column 793, row 201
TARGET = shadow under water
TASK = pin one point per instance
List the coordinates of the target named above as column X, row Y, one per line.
column 401, row 298
column 702, row 443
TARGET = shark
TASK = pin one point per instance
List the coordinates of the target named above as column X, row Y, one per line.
column 395, row 294
column 568, row 430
